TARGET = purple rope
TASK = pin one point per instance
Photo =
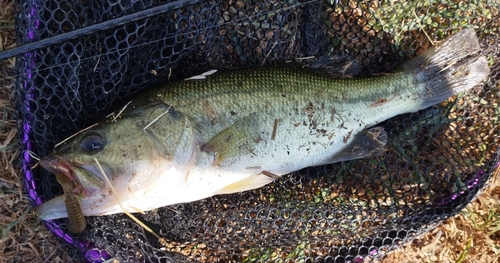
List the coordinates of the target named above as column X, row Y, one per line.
column 471, row 183
column 90, row 252
column 29, row 65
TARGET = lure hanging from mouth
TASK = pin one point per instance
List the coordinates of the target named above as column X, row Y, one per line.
column 76, row 220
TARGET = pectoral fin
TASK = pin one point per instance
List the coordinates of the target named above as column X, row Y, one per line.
column 237, row 140
column 364, row 144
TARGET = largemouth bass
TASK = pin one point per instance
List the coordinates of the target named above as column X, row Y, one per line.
column 237, row 130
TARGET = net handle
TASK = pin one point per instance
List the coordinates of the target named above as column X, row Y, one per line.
column 147, row 13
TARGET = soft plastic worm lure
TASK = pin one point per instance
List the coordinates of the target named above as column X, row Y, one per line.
column 77, row 222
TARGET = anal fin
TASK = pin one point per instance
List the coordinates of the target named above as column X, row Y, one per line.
column 249, row 183
column 366, row 143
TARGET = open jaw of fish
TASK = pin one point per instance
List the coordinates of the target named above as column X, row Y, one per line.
column 72, row 188
column 87, row 181
column 238, row 130
column 76, row 185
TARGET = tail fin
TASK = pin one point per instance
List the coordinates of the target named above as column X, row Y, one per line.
column 451, row 67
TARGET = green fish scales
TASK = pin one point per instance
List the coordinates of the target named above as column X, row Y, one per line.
column 291, row 111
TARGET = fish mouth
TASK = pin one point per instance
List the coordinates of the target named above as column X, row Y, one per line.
column 85, row 178
column 55, row 164
column 81, row 181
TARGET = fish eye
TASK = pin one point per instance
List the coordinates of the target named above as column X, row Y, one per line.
column 92, row 143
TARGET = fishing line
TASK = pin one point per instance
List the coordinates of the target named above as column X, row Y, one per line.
column 47, row 42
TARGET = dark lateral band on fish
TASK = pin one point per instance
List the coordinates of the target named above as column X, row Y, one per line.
column 332, row 120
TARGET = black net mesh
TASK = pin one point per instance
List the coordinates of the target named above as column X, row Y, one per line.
column 437, row 161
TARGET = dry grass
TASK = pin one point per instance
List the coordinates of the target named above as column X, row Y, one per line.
column 23, row 238
column 472, row 236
